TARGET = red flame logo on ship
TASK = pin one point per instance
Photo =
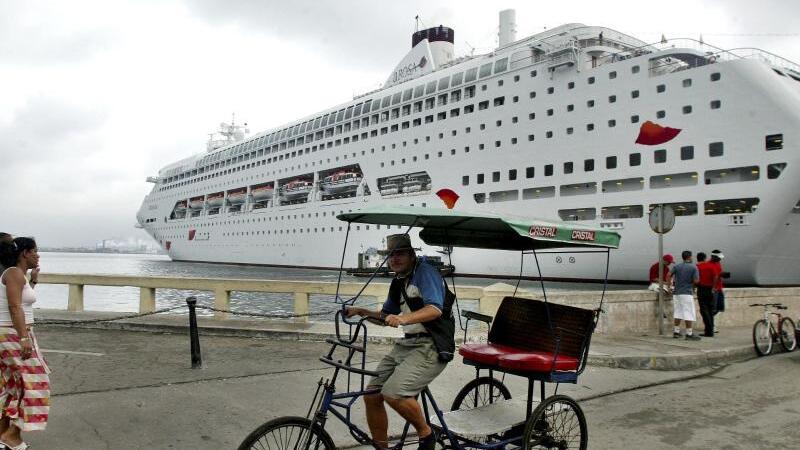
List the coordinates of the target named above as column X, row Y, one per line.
column 651, row 133
column 448, row 196
column 191, row 234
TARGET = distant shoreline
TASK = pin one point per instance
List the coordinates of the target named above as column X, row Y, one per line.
column 86, row 250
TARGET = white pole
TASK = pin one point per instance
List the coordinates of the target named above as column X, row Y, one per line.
column 660, row 317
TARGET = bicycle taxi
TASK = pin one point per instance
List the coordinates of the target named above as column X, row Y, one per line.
column 530, row 338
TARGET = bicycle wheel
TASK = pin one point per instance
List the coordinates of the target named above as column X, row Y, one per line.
column 288, row 433
column 479, row 392
column 762, row 339
column 558, row 422
column 788, row 340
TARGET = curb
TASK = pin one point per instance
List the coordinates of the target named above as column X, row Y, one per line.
column 680, row 361
column 283, row 335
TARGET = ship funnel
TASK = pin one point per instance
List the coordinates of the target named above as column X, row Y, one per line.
column 508, row 27
column 440, row 40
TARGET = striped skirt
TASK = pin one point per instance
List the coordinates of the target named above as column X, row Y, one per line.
column 25, row 384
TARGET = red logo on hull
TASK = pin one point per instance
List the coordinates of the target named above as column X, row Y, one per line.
column 651, row 133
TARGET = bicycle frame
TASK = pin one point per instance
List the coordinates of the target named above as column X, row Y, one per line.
column 339, row 405
column 773, row 331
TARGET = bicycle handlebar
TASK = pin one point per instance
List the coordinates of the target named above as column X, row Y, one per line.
column 358, row 321
column 775, row 305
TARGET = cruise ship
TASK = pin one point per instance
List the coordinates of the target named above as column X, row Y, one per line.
column 577, row 123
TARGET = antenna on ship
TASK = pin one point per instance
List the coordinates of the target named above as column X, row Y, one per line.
column 471, row 48
column 418, row 22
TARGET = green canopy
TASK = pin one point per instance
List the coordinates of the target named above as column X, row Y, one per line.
column 443, row 227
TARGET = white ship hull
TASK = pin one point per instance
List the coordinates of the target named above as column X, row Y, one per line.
column 762, row 244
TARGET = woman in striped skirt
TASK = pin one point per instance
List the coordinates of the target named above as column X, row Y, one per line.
column 24, row 380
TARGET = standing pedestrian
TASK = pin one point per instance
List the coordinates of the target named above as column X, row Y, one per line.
column 705, row 294
column 25, row 390
column 719, row 294
column 9, row 239
column 685, row 276
column 665, row 277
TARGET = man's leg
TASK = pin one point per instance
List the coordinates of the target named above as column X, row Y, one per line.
column 377, row 420
column 707, row 314
column 409, row 409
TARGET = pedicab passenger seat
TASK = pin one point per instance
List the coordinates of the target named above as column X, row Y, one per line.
column 524, row 342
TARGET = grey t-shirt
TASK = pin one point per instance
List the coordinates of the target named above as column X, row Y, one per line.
column 684, row 274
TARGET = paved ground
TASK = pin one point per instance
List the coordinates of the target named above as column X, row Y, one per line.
column 116, row 389
column 748, row 405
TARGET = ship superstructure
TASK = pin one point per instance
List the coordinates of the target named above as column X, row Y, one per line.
column 580, row 123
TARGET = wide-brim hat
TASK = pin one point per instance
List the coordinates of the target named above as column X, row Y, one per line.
column 398, row 242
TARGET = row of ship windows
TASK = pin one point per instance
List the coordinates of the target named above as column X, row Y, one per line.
column 292, row 231
column 710, row 207
column 387, row 115
column 262, row 219
column 671, row 180
column 687, row 109
column 715, row 149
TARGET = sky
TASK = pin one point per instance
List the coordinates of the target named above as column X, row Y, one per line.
column 95, row 96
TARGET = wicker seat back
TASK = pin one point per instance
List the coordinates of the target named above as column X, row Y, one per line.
column 523, row 323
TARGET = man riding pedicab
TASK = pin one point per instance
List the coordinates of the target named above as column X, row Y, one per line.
column 420, row 302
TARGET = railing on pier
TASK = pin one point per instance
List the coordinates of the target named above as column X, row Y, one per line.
column 222, row 289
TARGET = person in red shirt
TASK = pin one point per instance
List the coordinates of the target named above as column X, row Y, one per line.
column 668, row 259
column 705, row 294
column 719, row 295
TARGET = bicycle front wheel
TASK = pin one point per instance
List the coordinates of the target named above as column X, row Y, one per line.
column 788, row 340
column 288, row 433
column 762, row 339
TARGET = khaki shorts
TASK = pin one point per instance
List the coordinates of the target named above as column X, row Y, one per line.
column 411, row 365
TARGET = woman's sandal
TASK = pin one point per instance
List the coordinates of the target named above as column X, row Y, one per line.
column 22, row 446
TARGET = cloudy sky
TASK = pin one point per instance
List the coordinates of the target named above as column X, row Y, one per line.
column 97, row 95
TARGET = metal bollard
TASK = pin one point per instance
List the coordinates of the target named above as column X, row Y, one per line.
column 194, row 337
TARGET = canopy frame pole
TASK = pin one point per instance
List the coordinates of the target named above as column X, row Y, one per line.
column 341, row 264
column 544, row 291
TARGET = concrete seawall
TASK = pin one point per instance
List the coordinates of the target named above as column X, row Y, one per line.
column 625, row 312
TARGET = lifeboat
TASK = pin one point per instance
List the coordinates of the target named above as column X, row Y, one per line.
column 296, row 189
column 215, row 200
column 237, row 197
column 196, row 203
column 263, row 193
column 341, row 182
column 412, row 185
column 390, row 189
column 180, row 206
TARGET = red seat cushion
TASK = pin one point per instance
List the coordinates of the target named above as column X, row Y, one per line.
column 535, row 361
column 486, row 353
